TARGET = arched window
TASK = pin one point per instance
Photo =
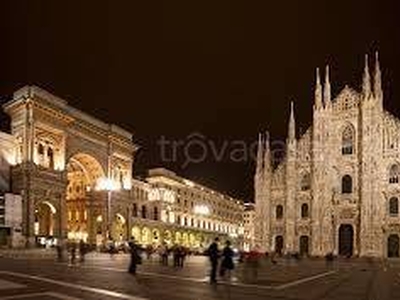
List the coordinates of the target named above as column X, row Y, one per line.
column 394, row 174
column 40, row 149
column 50, row 157
column 279, row 212
column 348, row 140
column 304, row 210
column 347, row 184
column 155, row 213
column 394, row 206
column 134, row 210
column 305, row 183
column 144, row 212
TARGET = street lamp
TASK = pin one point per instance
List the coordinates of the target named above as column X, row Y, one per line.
column 109, row 185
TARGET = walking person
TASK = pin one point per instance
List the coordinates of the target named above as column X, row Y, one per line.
column 254, row 261
column 213, row 254
column 227, row 264
column 73, row 252
column 82, row 250
column 136, row 259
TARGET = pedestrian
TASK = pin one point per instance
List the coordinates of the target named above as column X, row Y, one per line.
column 136, row 259
column 73, row 252
column 254, row 261
column 182, row 256
column 176, row 253
column 213, row 254
column 59, row 248
column 227, row 260
column 82, row 250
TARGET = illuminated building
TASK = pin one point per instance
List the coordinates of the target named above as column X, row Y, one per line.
column 248, row 227
column 74, row 174
column 177, row 210
column 337, row 190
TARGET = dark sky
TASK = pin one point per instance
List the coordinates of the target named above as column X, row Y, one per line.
column 222, row 69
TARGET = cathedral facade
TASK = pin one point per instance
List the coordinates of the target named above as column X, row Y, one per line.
column 338, row 187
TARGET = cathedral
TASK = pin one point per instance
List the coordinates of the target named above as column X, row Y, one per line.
column 337, row 189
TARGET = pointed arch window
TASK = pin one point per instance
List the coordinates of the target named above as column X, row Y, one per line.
column 347, row 184
column 305, row 183
column 394, row 206
column 348, row 140
column 394, row 174
column 304, row 211
column 40, row 149
column 279, row 212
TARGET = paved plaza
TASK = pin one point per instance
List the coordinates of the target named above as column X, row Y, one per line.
column 37, row 275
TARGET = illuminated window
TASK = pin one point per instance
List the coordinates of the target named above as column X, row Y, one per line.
column 348, row 140
column 394, row 174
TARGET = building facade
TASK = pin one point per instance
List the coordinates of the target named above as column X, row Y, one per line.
column 174, row 210
column 249, row 217
column 337, row 189
column 74, row 175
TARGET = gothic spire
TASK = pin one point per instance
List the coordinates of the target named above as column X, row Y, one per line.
column 267, row 153
column 318, row 91
column 260, row 150
column 377, row 78
column 327, row 87
column 366, row 79
column 292, row 125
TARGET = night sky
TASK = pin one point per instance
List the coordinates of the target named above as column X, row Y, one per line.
column 224, row 70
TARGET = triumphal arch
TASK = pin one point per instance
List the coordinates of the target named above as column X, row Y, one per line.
column 73, row 171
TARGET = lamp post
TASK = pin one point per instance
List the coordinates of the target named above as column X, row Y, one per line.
column 107, row 184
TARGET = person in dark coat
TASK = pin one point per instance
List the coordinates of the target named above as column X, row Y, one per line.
column 136, row 259
column 213, row 254
column 227, row 259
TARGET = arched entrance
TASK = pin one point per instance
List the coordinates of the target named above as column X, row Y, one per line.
column 118, row 232
column 83, row 173
column 146, row 236
column 279, row 244
column 168, row 237
column 44, row 222
column 393, row 244
column 156, row 237
column 136, row 234
column 346, row 238
column 304, row 245
column 178, row 237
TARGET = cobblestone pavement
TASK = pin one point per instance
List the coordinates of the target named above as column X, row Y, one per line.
column 102, row 276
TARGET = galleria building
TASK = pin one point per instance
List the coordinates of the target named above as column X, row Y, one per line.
column 337, row 190
column 66, row 175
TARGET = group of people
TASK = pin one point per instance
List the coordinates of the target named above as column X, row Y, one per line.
column 226, row 256
column 179, row 254
column 74, row 249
